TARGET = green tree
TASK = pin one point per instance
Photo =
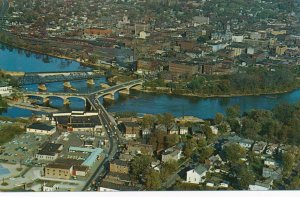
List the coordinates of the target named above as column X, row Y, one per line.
column 152, row 180
column 288, row 160
column 148, row 121
column 233, row 153
column 233, row 111
column 218, row 118
column 166, row 119
column 168, row 169
column 244, row 176
column 171, row 140
column 139, row 165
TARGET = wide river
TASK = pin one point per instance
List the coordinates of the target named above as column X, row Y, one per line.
column 13, row 59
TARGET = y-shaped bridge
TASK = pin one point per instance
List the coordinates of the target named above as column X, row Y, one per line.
column 108, row 93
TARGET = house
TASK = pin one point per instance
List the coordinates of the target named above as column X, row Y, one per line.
column 272, row 173
column 126, row 157
column 131, row 129
column 58, row 171
column 270, row 162
column 173, row 153
column 41, row 129
column 261, row 185
column 183, row 130
column 174, row 129
column 118, row 178
column 135, row 148
column 5, row 90
column 106, row 186
column 80, row 170
column 49, row 152
column 259, row 147
column 144, row 35
column 197, row 175
column 271, row 149
column 179, row 68
column 246, row 143
column 49, row 187
column 214, row 130
column 161, row 127
column 119, row 166
column 146, row 132
column 97, row 32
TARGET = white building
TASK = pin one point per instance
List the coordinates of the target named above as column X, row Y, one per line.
column 144, row 35
column 5, row 90
column 237, row 38
column 196, row 175
column 40, row 129
column 214, row 130
column 183, row 130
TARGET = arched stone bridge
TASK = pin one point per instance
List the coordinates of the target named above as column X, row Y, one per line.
column 108, row 93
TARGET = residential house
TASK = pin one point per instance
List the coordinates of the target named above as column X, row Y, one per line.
column 119, row 166
column 146, row 132
column 259, row 147
column 106, row 186
column 261, row 185
column 174, row 129
column 271, row 149
column 173, row 153
column 214, row 130
column 5, row 90
column 135, row 148
column 197, row 175
column 131, row 129
column 272, row 173
column 183, row 130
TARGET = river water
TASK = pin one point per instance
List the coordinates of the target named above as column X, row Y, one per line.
column 13, row 59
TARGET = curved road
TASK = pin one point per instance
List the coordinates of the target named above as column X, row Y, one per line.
column 4, row 7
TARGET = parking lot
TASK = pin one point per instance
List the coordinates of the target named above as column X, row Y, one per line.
column 22, row 149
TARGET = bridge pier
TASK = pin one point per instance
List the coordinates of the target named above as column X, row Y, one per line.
column 90, row 82
column 125, row 91
column 66, row 101
column 137, row 87
column 46, row 101
column 109, row 97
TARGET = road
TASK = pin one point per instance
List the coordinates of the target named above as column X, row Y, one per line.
column 113, row 135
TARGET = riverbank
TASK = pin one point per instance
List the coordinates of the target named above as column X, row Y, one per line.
column 30, row 49
column 219, row 95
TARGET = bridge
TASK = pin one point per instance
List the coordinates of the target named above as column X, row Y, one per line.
column 48, row 77
column 107, row 94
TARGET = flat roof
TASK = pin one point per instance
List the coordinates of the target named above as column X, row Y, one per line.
column 41, row 126
column 50, row 149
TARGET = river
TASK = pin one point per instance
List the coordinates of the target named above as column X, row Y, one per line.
column 21, row 60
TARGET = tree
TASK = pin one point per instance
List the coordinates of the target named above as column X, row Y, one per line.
column 148, row 121
column 157, row 140
column 288, row 160
column 171, row 140
column 244, row 176
column 189, row 147
column 250, row 128
column 205, row 153
column 168, row 169
column 218, row 118
column 139, row 165
column 152, row 180
column 166, row 119
column 234, row 152
column 233, row 111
